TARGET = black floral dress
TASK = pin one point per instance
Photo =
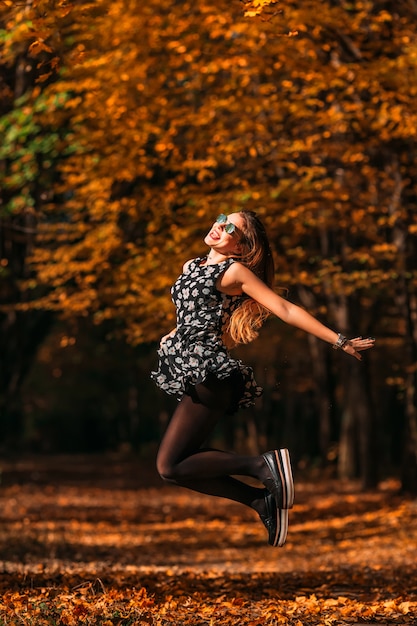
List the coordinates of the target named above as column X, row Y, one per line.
column 196, row 349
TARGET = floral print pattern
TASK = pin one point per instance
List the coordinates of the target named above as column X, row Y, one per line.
column 196, row 349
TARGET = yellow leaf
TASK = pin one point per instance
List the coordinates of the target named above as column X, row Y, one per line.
column 38, row 46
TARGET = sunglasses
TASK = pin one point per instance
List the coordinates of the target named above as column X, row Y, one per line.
column 229, row 226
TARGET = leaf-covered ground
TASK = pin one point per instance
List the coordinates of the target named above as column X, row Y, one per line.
column 97, row 541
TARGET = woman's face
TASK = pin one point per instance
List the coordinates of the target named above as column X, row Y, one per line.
column 223, row 242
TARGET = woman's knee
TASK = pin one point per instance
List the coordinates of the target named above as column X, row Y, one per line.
column 166, row 470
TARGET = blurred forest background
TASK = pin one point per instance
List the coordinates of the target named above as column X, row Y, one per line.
column 126, row 127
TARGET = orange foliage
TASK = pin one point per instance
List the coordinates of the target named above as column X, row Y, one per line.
column 115, row 549
column 176, row 112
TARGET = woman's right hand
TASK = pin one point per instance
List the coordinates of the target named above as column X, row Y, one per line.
column 168, row 336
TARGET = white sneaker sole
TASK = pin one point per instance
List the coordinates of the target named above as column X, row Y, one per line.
column 282, row 528
column 284, row 467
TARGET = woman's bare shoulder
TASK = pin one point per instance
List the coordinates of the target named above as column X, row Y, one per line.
column 237, row 269
column 233, row 277
column 187, row 264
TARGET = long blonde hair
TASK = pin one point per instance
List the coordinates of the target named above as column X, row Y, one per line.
column 255, row 253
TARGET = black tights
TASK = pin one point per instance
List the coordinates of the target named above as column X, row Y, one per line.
column 183, row 461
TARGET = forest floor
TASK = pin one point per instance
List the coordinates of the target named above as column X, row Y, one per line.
column 99, row 541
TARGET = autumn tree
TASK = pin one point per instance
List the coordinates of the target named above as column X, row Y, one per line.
column 179, row 112
column 29, row 152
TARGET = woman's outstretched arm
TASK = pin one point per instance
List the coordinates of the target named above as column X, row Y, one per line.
column 240, row 278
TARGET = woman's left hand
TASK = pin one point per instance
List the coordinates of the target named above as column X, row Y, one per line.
column 354, row 346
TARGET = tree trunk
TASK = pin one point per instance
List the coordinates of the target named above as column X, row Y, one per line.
column 358, row 441
column 409, row 465
column 21, row 334
column 347, row 466
column 320, row 369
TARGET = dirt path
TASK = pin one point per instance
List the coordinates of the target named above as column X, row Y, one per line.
column 85, row 539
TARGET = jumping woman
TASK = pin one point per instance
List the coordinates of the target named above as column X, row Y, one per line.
column 221, row 300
